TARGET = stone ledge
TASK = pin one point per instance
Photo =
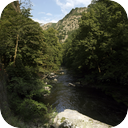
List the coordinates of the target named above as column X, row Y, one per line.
column 73, row 119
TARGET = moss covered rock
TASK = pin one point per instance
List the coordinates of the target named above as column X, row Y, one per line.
column 73, row 119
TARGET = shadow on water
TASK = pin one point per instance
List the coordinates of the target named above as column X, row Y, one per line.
column 88, row 101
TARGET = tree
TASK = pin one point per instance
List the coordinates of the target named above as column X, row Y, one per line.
column 99, row 50
column 22, row 44
column 54, row 49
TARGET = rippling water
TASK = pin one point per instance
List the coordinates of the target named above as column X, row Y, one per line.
column 88, row 101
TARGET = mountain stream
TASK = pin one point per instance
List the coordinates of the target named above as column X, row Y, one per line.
column 88, row 101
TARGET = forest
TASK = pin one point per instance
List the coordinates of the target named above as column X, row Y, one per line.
column 98, row 50
column 27, row 52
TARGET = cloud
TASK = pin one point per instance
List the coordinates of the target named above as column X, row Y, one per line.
column 84, row 2
column 49, row 14
column 67, row 5
column 41, row 13
column 64, row 6
column 46, row 20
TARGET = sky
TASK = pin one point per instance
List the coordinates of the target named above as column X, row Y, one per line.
column 45, row 11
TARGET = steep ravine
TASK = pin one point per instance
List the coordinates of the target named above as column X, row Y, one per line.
column 67, row 24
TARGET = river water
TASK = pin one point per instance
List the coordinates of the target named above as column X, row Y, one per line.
column 88, row 101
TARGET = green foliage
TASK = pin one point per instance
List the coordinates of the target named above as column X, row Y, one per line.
column 32, row 43
column 99, row 49
column 30, row 109
column 26, row 12
column 23, row 90
column 53, row 25
column 54, row 48
column 16, row 122
column 74, row 12
column 15, row 2
column 26, row 50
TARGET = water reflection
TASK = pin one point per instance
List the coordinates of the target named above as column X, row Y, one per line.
column 88, row 101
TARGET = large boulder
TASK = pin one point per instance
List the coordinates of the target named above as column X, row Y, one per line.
column 73, row 119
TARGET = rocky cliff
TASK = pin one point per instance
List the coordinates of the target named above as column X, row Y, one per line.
column 67, row 24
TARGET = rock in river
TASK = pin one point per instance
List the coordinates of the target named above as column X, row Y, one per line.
column 52, row 73
column 73, row 119
column 55, row 79
column 62, row 73
column 70, row 84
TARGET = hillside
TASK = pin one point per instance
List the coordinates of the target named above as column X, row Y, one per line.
column 67, row 24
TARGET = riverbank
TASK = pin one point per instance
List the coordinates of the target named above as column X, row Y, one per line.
column 116, row 91
column 88, row 101
column 119, row 93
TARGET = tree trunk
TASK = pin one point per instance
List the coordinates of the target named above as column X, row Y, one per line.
column 17, row 39
column 98, row 68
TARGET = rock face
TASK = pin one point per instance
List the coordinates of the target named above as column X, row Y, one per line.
column 73, row 119
column 67, row 24
column 46, row 26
